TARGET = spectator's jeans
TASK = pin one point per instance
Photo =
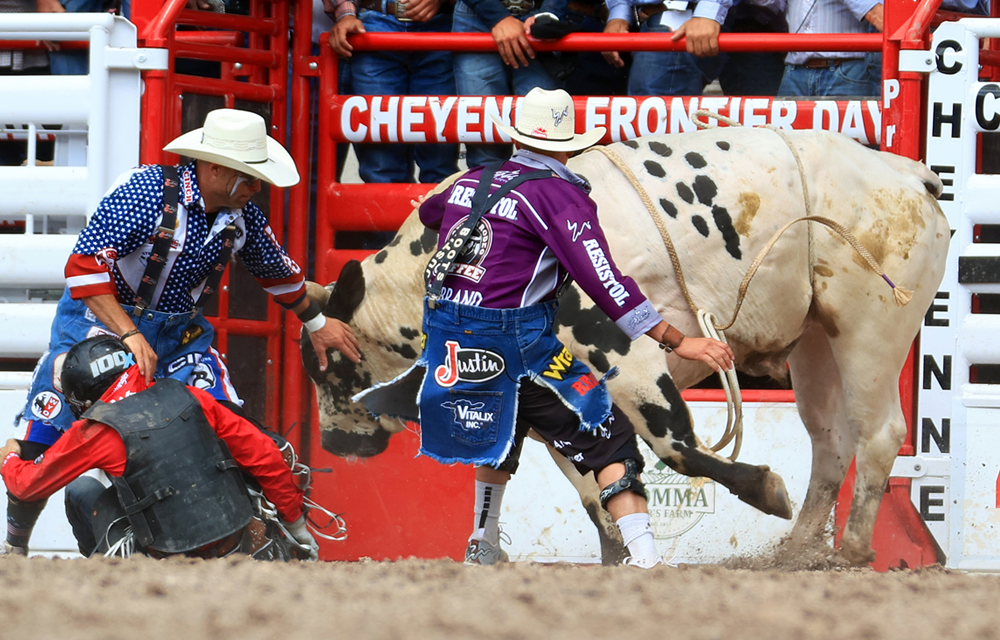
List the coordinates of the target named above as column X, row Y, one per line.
column 670, row 73
column 81, row 495
column 861, row 77
column 485, row 74
column 403, row 73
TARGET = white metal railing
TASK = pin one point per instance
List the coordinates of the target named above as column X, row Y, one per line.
column 98, row 139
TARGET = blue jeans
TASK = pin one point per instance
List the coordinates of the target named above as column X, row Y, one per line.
column 670, row 73
column 485, row 74
column 81, row 495
column 861, row 77
column 404, row 73
column 182, row 341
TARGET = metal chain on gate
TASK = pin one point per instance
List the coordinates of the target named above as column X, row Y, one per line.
column 710, row 328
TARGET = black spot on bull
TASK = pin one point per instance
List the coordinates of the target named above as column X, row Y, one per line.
column 700, row 224
column 631, row 144
column 685, row 193
column 705, row 189
column 670, row 417
column 695, row 160
column 599, row 360
column 724, row 223
column 347, row 443
column 409, row 333
column 654, row 168
column 427, row 243
column 381, row 256
column 590, row 326
column 755, row 485
column 405, row 350
column 668, row 207
column 660, row 149
column 722, row 144
column 396, row 239
column 347, row 293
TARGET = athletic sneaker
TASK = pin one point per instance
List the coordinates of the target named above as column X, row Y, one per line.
column 483, row 553
column 643, row 564
column 12, row 550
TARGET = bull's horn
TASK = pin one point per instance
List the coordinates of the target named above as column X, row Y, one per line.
column 317, row 292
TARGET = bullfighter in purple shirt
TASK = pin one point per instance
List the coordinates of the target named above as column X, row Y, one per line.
column 492, row 366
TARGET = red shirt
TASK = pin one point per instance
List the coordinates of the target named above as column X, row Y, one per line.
column 93, row 445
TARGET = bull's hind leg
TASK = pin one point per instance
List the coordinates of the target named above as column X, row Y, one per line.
column 819, row 396
column 876, row 422
column 612, row 549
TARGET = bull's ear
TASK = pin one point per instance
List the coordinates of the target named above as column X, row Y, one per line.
column 347, row 294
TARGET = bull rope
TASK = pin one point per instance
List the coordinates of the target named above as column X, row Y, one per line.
column 730, row 384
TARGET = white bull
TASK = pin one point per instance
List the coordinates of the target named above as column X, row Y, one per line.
column 814, row 304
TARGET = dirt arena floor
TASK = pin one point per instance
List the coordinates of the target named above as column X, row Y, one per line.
column 181, row 599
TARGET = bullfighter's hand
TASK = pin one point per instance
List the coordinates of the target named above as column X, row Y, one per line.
column 302, row 537
column 615, row 26
column 419, row 200
column 512, row 41
column 145, row 357
column 12, row 446
column 338, row 35
column 715, row 354
column 422, row 10
column 336, row 335
column 702, row 36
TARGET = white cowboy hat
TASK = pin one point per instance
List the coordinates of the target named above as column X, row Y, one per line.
column 546, row 120
column 238, row 140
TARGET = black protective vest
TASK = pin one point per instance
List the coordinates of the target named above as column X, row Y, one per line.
column 181, row 489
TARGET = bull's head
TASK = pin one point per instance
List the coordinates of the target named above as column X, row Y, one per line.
column 346, row 428
column 384, row 312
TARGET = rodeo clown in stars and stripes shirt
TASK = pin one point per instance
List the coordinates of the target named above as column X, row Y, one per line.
column 492, row 366
column 136, row 275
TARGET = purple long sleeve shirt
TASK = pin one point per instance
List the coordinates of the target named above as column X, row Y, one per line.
column 531, row 241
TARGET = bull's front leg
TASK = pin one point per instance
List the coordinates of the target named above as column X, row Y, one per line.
column 668, row 430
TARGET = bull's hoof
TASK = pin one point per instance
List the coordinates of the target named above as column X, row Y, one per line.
column 770, row 496
column 859, row 555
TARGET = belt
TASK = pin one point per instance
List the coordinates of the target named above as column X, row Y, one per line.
column 649, row 10
column 824, row 63
column 518, row 8
column 388, row 7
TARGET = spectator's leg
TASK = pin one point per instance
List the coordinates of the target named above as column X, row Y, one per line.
column 81, row 495
column 381, row 73
column 796, row 81
column 748, row 73
column 851, row 78
column 479, row 74
column 664, row 73
column 433, row 74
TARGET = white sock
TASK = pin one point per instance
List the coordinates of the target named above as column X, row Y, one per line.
column 638, row 536
column 487, row 521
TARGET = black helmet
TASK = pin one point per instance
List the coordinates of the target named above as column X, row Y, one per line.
column 89, row 369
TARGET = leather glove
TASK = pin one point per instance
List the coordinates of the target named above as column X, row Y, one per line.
column 302, row 536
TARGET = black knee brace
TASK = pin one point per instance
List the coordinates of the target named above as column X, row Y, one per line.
column 22, row 515
column 629, row 482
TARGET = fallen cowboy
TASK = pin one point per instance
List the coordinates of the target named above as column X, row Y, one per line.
column 176, row 459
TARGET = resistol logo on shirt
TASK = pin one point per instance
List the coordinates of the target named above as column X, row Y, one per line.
column 603, row 269
column 468, row 365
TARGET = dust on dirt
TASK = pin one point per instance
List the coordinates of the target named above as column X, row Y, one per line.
column 183, row 599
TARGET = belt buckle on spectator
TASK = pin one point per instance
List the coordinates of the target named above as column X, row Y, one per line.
column 401, row 12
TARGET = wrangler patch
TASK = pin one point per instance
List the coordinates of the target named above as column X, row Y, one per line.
column 584, row 384
column 559, row 364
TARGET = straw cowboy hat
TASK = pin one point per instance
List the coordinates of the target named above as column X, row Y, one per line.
column 238, row 140
column 546, row 120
